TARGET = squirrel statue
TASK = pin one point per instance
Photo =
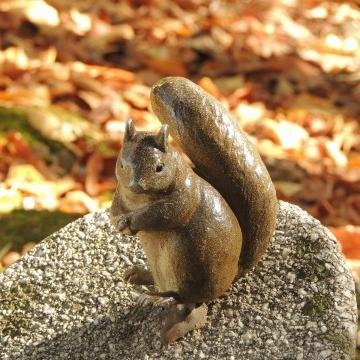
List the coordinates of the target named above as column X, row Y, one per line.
column 199, row 229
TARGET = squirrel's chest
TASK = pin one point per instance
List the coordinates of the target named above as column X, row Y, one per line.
column 132, row 201
column 160, row 248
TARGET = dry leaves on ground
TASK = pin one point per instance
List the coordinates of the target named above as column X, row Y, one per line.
column 287, row 70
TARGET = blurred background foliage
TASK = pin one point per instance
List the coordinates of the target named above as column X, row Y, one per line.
column 71, row 74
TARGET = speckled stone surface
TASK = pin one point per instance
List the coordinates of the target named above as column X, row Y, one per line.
column 66, row 300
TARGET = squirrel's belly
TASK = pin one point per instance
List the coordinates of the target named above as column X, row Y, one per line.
column 159, row 250
column 177, row 265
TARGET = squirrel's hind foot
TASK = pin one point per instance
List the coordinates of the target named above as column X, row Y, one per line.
column 181, row 319
column 138, row 275
column 156, row 299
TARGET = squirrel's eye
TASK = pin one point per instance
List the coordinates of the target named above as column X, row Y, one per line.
column 159, row 167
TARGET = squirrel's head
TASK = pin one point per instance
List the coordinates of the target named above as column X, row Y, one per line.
column 146, row 164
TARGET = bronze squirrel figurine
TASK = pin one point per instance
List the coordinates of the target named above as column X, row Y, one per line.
column 199, row 229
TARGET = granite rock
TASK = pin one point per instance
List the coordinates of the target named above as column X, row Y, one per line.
column 66, row 300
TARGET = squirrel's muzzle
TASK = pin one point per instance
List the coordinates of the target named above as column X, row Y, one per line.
column 137, row 186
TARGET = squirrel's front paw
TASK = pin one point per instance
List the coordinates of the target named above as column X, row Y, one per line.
column 133, row 224
column 120, row 222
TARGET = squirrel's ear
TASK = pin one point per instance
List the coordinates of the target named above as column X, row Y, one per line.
column 161, row 138
column 129, row 130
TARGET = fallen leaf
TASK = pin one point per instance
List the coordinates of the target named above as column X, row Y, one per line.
column 208, row 85
column 287, row 188
column 10, row 258
column 77, row 202
column 349, row 238
column 10, row 199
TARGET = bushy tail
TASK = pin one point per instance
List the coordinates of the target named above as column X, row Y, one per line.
column 224, row 156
